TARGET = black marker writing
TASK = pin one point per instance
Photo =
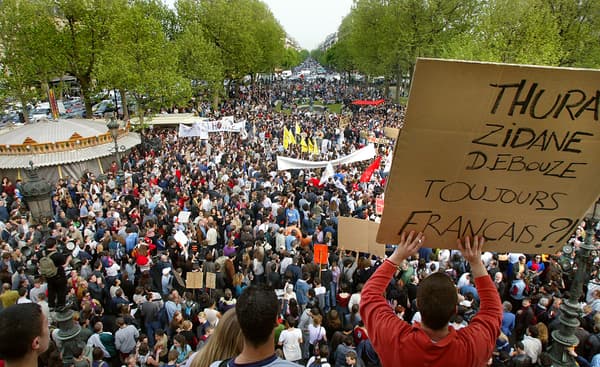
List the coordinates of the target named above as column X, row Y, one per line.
column 525, row 98
column 530, row 139
column 517, row 163
column 456, row 191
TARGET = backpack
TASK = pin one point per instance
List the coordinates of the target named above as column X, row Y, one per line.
column 47, row 267
column 163, row 316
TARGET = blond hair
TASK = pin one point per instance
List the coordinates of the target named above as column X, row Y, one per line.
column 227, row 341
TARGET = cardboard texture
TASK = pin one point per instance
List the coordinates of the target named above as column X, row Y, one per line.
column 211, row 280
column 359, row 235
column 321, row 254
column 195, row 280
column 508, row 152
column 391, row 132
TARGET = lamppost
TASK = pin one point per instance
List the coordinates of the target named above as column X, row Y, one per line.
column 113, row 128
column 37, row 193
column 564, row 337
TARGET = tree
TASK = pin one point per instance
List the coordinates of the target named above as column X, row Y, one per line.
column 141, row 60
column 199, row 59
column 84, row 31
column 27, row 41
column 511, row 31
column 385, row 37
column 578, row 25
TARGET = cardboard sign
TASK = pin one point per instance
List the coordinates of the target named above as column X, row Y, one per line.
column 195, row 280
column 181, row 238
column 184, row 217
column 379, row 204
column 508, row 152
column 391, row 132
column 359, row 235
column 321, row 254
column 211, row 280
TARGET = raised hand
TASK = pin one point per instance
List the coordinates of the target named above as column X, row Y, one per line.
column 408, row 246
column 472, row 253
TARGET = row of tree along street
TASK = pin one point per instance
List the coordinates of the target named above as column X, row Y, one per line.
column 384, row 37
column 160, row 56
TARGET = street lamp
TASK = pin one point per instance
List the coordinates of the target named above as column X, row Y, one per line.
column 37, row 193
column 564, row 337
column 113, row 128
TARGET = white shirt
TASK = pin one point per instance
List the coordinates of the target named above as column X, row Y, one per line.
column 532, row 347
column 354, row 300
column 290, row 339
column 315, row 333
column 211, row 236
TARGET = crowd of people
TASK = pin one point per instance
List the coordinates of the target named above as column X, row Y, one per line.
column 118, row 252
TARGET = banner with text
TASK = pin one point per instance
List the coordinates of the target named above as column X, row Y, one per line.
column 203, row 128
column 508, row 152
column 363, row 154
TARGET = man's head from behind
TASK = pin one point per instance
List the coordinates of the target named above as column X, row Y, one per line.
column 436, row 300
column 257, row 310
column 23, row 332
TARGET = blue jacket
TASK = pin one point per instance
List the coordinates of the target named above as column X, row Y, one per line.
column 508, row 323
column 302, row 288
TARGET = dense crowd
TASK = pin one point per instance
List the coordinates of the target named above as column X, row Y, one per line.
column 123, row 251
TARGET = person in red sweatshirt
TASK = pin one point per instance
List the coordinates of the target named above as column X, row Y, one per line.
column 433, row 342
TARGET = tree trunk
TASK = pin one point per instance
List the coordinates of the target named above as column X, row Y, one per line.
column 399, row 83
column 124, row 104
column 215, row 99
column 141, row 114
column 24, row 101
column 87, row 101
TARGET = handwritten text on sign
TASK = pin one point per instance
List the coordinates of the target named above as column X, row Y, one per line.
column 511, row 153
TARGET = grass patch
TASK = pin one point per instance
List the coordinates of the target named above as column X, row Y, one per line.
column 335, row 108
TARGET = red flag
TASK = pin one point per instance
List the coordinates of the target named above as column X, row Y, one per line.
column 366, row 176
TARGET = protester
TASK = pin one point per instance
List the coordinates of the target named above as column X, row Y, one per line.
column 221, row 207
column 257, row 312
column 24, row 334
column 432, row 342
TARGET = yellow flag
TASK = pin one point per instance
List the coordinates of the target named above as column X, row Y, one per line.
column 304, row 146
column 286, row 138
column 298, row 130
column 316, row 151
column 291, row 138
column 311, row 148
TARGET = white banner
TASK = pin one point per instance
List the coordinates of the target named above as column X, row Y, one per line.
column 368, row 152
column 203, row 128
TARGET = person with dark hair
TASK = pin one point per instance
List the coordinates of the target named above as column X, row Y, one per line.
column 432, row 342
column 24, row 334
column 257, row 311
column 291, row 339
column 125, row 338
column 57, row 284
column 519, row 358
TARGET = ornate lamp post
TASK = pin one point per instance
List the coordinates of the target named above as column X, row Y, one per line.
column 564, row 337
column 37, row 194
column 113, row 128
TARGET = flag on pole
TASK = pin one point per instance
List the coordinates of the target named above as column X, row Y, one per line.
column 286, row 138
column 298, row 130
column 311, row 148
column 316, row 147
column 291, row 138
column 327, row 173
column 304, row 146
column 366, row 176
